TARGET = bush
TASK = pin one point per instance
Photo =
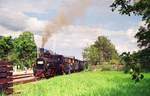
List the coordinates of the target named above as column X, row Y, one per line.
column 106, row 67
column 103, row 67
column 114, row 61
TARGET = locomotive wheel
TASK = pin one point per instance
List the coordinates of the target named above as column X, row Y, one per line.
column 47, row 76
column 34, row 72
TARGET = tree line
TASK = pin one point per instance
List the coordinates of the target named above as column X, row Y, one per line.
column 104, row 51
column 22, row 51
column 101, row 52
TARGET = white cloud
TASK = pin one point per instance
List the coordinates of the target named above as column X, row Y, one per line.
column 3, row 30
column 12, row 20
column 38, row 6
column 35, row 25
column 13, row 15
column 131, row 33
column 126, row 46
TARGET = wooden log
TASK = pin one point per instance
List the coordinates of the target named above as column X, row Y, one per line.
column 9, row 84
column 5, row 64
column 8, row 91
column 5, row 74
column 9, row 74
column 6, row 85
column 3, row 87
column 5, row 80
column 5, row 69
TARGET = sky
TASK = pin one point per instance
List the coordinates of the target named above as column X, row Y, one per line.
column 17, row 16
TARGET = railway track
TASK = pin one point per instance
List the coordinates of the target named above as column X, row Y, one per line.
column 16, row 79
column 23, row 78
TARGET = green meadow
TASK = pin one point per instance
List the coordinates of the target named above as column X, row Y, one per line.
column 98, row 83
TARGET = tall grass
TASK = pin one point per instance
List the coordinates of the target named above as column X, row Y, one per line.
column 87, row 84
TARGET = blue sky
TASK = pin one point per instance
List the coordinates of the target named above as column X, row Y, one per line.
column 17, row 16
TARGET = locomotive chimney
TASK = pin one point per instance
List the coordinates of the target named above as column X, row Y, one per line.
column 41, row 51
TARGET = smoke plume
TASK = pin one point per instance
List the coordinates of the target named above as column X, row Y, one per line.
column 71, row 10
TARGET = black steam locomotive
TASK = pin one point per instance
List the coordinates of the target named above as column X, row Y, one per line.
column 49, row 65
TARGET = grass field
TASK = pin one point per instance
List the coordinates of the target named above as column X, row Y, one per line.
column 87, row 84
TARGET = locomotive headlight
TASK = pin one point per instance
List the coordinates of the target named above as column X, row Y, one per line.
column 40, row 62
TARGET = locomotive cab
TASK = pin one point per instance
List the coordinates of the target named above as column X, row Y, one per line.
column 58, row 62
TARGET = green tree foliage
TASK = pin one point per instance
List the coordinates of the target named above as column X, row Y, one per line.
column 6, row 46
column 132, row 65
column 144, row 58
column 24, row 49
column 126, row 60
column 131, row 61
column 101, row 51
column 91, row 54
column 106, row 49
column 140, row 8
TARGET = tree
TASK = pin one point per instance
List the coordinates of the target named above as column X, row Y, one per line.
column 144, row 59
column 91, row 54
column 101, row 51
column 106, row 49
column 140, row 8
column 25, row 49
column 6, row 46
column 131, row 61
column 126, row 60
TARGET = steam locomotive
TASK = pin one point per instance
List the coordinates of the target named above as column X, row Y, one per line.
column 48, row 64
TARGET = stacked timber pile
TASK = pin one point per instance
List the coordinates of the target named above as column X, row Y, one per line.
column 6, row 71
